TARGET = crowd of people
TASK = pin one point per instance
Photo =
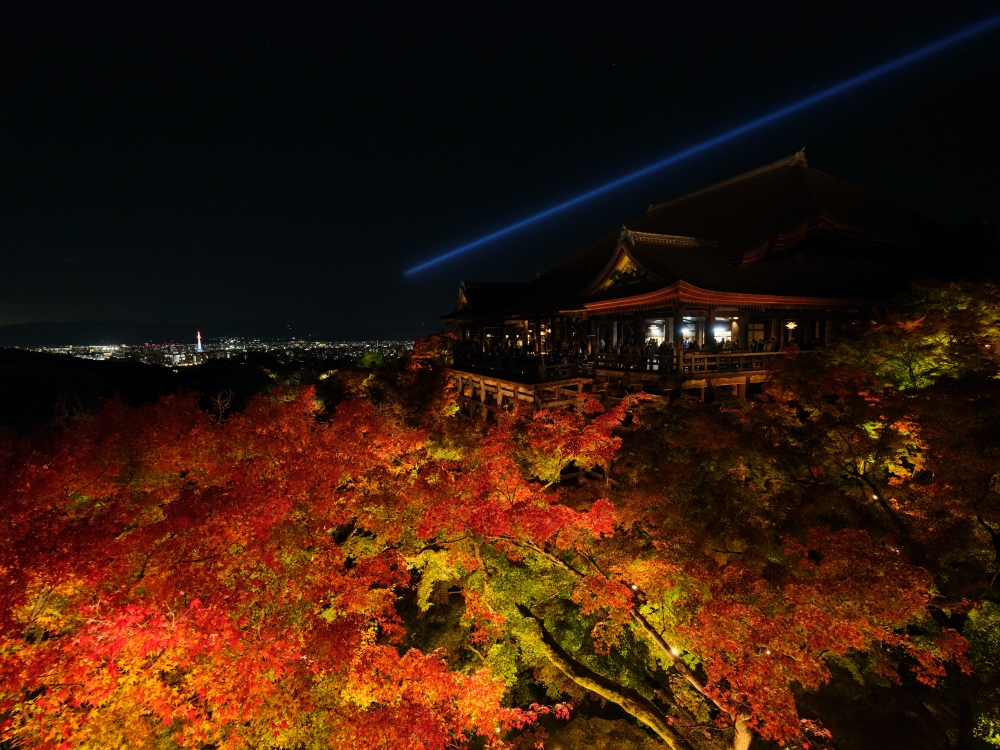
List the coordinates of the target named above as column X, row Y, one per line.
column 512, row 355
column 666, row 348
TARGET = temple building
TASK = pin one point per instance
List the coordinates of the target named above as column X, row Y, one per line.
column 701, row 291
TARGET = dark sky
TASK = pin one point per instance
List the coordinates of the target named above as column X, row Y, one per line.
column 196, row 162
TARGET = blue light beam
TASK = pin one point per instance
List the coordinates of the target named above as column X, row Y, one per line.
column 900, row 62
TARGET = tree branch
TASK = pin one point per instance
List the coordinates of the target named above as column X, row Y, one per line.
column 743, row 734
column 631, row 701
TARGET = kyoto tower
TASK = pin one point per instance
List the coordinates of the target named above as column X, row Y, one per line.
column 198, row 348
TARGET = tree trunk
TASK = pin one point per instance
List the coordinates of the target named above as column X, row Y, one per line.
column 631, row 701
column 744, row 736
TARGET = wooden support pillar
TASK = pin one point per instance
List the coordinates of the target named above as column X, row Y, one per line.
column 744, row 323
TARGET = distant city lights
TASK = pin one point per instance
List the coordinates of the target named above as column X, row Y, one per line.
column 176, row 355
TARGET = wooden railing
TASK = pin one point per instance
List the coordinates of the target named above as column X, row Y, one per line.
column 709, row 362
column 690, row 361
column 532, row 368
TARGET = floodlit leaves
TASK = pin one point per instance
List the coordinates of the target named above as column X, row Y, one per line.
column 229, row 583
column 381, row 574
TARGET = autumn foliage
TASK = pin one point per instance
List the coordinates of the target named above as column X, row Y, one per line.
column 377, row 573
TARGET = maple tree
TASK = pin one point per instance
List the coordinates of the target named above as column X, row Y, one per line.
column 623, row 601
column 229, row 584
column 350, row 565
column 851, row 440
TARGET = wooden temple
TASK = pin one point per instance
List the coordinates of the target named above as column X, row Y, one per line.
column 699, row 294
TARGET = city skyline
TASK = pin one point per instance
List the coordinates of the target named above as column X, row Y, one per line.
column 181, row 354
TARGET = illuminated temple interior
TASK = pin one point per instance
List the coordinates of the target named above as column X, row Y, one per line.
column 698, row 294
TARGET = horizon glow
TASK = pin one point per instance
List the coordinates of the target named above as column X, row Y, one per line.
column 839, row 88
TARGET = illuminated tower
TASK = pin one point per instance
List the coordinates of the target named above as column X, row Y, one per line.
column 198, row 348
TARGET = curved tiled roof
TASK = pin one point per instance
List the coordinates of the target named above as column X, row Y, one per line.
column 784, row 228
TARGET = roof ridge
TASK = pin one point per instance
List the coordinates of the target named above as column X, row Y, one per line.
column 656, row 238
column 799, row 157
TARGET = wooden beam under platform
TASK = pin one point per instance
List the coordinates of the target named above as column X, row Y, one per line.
column 479, row 396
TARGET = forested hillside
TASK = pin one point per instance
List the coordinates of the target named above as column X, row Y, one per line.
column 343, row 562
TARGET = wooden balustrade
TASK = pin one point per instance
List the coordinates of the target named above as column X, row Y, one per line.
column 708, row 362
column 691, row 362
column 534, row 369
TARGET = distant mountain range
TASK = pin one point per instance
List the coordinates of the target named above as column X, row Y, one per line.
column 83, row 333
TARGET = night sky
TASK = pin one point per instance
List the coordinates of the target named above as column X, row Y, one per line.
column 199, row 162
